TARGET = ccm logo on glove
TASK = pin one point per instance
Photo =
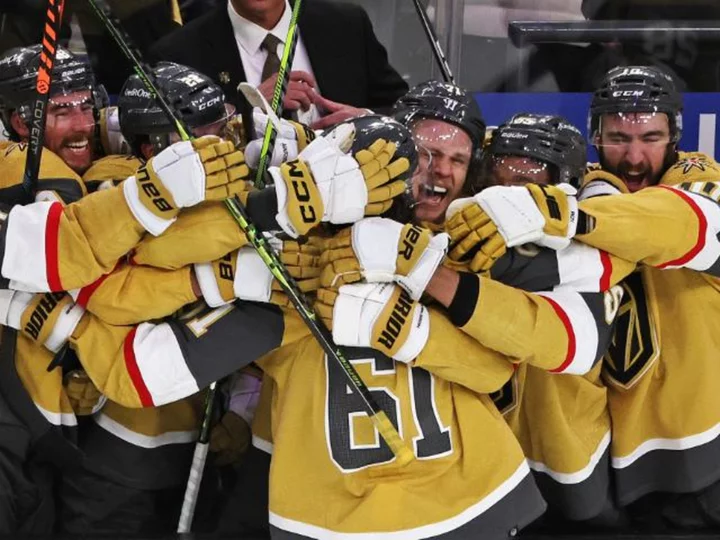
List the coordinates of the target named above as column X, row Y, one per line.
column 41, row 313
column 151, row 190
column 300, row 175
column 397, row 321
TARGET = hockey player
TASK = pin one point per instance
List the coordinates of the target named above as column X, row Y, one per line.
column 72, row 110
column 657, row 446
column 562, row 423
column 568, row 476
column 33, row 400
column 537, row 149
column 452, row 137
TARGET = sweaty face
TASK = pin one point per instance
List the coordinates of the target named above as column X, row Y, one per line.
column 69, row 129
column 450, row 150
column 633, row 146
column 508, row 170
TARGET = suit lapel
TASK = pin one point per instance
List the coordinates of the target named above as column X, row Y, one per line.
column 221, row 51
column 319, row 48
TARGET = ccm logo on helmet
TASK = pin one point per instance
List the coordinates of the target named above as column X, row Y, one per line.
column 299, row 182
column 628, row 93
column 151, row 191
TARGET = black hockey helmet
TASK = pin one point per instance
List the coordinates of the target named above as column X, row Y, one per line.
column 637, row 89
column 18, row 77
column 196, row 97
column 372, row 127
column 446, row 102
column 547, row 138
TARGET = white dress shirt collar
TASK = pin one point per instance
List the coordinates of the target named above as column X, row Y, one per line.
column 250, row 35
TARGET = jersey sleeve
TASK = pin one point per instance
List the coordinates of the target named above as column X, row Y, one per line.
column 663, row 226
column 200, row 234
column 152, row 364
column 133, row 294
column 456, row 357
column 578, row 267
column 47, row 247
column 561, row 331
column 110, row 171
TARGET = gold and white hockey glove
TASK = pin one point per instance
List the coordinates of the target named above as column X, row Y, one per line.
column 382, row 250
column 381, row 316
column 185, row 174
column 46, row 319
column 243, row 274
column 111, row 137
column 544, row 215
column 326, row 184
column 291, row 139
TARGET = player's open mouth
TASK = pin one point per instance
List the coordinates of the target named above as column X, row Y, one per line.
column 433, row 195
column 78, row 146
column 634, row 180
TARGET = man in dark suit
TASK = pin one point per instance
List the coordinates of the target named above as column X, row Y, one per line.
column 340, row 69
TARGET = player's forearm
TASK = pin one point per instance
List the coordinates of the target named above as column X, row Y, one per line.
column 443, row 285
column 657, row 226
column 48, row 247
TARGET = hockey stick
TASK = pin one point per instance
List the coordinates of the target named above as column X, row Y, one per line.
column 187, row 512
column 281, row 83
column 434, row 43
column 386, row 429
column 51, row 31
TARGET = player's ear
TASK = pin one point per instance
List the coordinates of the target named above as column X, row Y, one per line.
column 18, row 125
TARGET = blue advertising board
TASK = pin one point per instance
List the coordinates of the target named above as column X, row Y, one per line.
column 699, row 117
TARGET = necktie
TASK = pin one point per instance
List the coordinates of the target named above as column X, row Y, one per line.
column 272, row 62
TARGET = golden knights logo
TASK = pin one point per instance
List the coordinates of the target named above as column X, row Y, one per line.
column 699, row 163
column 634, row 346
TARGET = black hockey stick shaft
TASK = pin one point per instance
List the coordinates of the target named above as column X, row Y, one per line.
column 281, row 84
column 434, row 43
column 51, row 31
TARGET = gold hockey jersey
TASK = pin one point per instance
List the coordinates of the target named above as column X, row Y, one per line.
column 56, row 181
column 662, row 369
column 333, row 477
column 560, row 419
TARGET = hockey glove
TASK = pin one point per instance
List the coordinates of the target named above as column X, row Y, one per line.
column 243, row 274
column 381, row 316
column 327, row 185
column 46, row 319
column 474, row 239
column 292, row 139
column 229, row 439
column 111, row 137
column 544, row 215
column 383, row 250
column 185, row 174
column 84, row 396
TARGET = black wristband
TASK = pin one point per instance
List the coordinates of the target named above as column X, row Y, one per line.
column 262, row 208
column 463, row 303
